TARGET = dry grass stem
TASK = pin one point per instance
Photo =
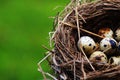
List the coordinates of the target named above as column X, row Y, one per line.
column 74, row 69
column 40, row 69
column 73, row 26
column 87, row 59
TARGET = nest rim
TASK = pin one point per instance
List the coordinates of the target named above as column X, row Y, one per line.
column 67, row 60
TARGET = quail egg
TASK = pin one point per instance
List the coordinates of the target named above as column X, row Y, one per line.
column 105, row 32
column 108, row 45
column 87, row 44
column 98, row 56
column 114, row 60
column 119, row 46
column 118, row 49
column 117, row 34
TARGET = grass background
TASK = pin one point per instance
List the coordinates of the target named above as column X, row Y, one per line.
column 24, row 27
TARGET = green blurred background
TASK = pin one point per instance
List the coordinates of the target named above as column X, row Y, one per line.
column 24, row 27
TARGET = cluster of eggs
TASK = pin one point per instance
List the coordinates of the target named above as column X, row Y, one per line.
column 98, row 52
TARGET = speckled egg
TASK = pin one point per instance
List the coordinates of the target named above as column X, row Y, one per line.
column 105, row 32
column 108, row 45
column 114, row 60
column 98, row 56
column 87, row 44
column 117, row 34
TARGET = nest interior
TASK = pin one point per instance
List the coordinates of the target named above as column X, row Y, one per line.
column 68, row 61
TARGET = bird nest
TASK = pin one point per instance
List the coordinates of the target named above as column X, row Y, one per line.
column 76, row 20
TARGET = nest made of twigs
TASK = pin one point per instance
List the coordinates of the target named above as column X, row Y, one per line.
column 70, row 63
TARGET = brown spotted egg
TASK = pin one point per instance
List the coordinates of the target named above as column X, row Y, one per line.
column 87, row 44
column 98, row 56
column 118, row 49
column 108, row 45
column 105, row 32
column 117, row 34
column 114, row 60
